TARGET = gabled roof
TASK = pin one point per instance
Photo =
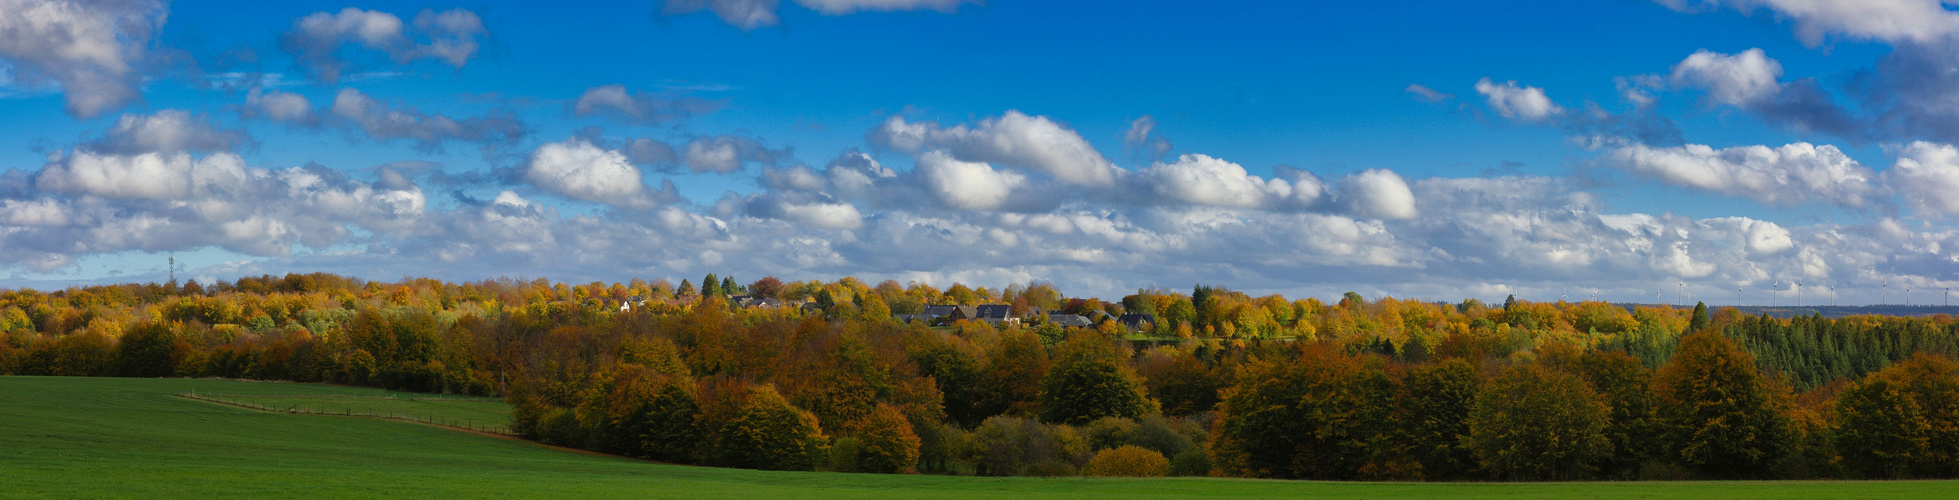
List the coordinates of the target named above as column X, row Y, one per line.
column 937, row 311
column 994, row 311
column 964, row 312
column 1070, row 320
column 1133, row 319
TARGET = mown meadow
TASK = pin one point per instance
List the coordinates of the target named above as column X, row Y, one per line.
column 121, row 437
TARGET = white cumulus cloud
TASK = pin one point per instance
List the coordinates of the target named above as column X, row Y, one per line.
column 451, row 36
column 166, row 131
column 1886, row 20
column 95, row 50
column 1202, row 180
column 581, row 170
column 1013, row 139
column 1518, row 102
column 1926, row 175
column 1787, row 175
column 1734, row 79
column 1379, row 193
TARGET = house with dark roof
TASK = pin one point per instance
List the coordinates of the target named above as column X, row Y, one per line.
column 1070, row 320
column 1137, row 321
column 994, row 311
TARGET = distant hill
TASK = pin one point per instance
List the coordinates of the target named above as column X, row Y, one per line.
column 1826, row 311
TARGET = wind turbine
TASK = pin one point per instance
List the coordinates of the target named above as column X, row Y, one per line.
column 1777, row 287
column 1799, row 293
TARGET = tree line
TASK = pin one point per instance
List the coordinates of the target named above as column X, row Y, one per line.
column 1220, row 383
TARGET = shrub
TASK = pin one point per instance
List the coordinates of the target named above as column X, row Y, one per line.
column 1192, row 462
column 1010, row 446
column 558, row 426
column 1050, row 468
column 1127, row 461
column 1162, row 435
column 1110, row 432
column 845, row 454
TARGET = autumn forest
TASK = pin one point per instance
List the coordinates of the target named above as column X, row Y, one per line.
column 787, row 375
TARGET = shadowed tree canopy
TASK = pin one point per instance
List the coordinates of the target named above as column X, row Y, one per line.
column 1091, row 379
column 1719, row 417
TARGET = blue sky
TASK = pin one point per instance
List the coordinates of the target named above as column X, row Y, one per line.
column 1431, row 149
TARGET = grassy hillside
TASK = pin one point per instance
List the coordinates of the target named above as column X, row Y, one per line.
column 66, row 437
column 487, row 414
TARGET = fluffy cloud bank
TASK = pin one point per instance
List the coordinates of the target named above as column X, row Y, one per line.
column 582, row 171
column 95, row 50
column 354, row 111
column 1884, row 20
column 985, row 202
column 1781, row 176
column 319, row 41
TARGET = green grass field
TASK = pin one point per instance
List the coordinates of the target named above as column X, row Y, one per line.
column 486, row 414
column 105, row 437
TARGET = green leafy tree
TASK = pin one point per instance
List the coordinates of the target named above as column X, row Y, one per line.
column 150, row 350
column 1091, row 379
column 1875, row 429
column 766, row 432
column 1534, row 423
column 888, row 443
column 1717, row 414
column 1323, row 416
column 874, row 310
column 1880, row 430
column 1181, row 382
column 685, row 289
column 669, row 429
column 1435, row 413
column 1016, row 365
column 1627, row 386
column 1933, row 382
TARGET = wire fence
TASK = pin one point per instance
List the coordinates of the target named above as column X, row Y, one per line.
column 244, row 400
